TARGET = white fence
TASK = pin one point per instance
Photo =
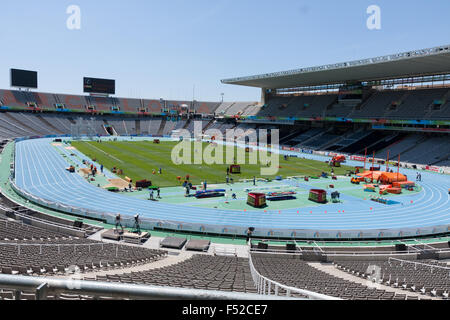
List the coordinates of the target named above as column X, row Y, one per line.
column 51, row 286
column 265, row 286
column 415, row 263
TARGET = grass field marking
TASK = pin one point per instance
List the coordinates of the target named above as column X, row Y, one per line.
column 139, row 159
column 213, row 153
column 109, row 155
column 304, row 164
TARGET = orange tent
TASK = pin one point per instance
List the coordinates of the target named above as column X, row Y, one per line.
column 391, row 177
column 339, row 159
column 370, row 174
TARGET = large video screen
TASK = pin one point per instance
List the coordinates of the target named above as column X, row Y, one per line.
column 24, row 79
column 351, row 92
column 94, row 85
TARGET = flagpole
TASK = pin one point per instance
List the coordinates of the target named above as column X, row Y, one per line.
column 387, row 162
column 373, row 164
column 365, row 158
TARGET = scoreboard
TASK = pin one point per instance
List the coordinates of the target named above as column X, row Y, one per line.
column 24, row 79
column 95, row 85
column 351, row 92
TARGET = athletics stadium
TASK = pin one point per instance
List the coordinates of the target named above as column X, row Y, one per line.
column 334, row 185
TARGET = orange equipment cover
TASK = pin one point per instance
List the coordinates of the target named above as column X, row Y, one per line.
column 390, row 177
column 370, row 174
column 339, row 158
column 394, row 190
column 403, row 183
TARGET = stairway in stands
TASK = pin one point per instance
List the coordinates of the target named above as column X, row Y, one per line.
column 21, row 124
column 137, row 125
column 293, row 134
column 444, row 158
column 161, row 127
column 72, row 120
column 209, row 124
column 186, row 125
column 109, row 129
column 48, row 124
column 431, row 112
column 400, row 105
column 361, row 105
column 422, row 139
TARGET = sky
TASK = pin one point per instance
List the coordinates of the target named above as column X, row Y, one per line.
column 174, row 49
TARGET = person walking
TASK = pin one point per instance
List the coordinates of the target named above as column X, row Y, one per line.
column 118, row 223
column 249, row 234
column 137, row 225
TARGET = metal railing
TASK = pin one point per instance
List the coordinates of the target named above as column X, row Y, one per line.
column 265, row 286
column 224, row 251
column 300, row 252
column 316, row 247
column 431, row 266
column 50, row 286
column 43, row 221
column 20, row 246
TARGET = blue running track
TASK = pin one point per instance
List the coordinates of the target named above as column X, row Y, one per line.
column 40, row 170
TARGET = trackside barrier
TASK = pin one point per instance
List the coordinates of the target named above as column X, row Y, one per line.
column 52, row 286
column 265, row 286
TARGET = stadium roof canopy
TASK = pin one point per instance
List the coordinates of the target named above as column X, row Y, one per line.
column 416, row 63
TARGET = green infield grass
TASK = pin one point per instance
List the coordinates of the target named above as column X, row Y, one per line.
column 138, row 161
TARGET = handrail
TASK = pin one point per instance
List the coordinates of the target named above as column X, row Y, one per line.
column 223, row 250
column 420, row 263
column 58, row 246
column 51, row 223
column 424, row 244
column 336, row 253
column 262, row 284
column 315, row 243
column 118, row 290
column 378, row 253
